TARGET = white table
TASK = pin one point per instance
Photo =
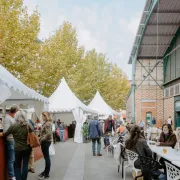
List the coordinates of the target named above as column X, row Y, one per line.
column 176, row 163
column 171, row 155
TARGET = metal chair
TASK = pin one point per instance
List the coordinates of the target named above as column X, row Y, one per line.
column 173, row 173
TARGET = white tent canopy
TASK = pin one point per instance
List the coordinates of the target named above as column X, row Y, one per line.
column 64, row 100
column 15, row 92
column 101, row 106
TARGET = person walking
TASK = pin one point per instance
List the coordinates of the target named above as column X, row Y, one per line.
column 9, row 142
column 61, row 127
column 95, row 133
column 46, row 137
column 19, row 130
column 108, row 128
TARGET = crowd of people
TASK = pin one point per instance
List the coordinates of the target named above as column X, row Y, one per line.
column 134, row 139
column 20, row 155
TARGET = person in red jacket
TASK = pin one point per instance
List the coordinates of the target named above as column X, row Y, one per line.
column 108, row 127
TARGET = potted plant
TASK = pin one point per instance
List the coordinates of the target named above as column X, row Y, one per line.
column 85, row 132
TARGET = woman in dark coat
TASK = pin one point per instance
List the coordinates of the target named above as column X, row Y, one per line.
column 167, row 137
column 138, row 144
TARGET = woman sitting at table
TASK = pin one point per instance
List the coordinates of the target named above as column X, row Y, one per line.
column 138, row 144
column 167, row 137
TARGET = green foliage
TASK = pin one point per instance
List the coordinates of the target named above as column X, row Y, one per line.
column 41, row 64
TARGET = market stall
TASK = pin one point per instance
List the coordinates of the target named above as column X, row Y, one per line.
column 14, row 91
column 64, row 105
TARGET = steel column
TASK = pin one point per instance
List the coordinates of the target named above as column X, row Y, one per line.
column 133, row 88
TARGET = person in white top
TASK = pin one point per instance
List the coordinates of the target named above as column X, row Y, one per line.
column 9, row 143
column 141, row 124
column 169, row 121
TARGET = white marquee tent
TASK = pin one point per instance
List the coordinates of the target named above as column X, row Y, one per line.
column 101, row 106
column 63, row 100
column 14, row 91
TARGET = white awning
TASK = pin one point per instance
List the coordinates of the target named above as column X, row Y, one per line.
column 19, row 91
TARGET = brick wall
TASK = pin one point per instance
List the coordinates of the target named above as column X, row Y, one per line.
column 169, row 108
column 148, row 95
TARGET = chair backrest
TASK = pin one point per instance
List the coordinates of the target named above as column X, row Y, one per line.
column 173, row 173
column 132, row 157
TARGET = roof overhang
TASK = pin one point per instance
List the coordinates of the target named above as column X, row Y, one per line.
column 159, row 23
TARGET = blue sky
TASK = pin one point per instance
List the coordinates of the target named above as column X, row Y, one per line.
column 109, row 26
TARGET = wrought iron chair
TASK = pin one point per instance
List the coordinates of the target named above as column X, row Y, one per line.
column 173, row 173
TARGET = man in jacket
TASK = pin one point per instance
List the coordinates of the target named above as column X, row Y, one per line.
column 95, row 133
column 108, row 127
column 9, row 143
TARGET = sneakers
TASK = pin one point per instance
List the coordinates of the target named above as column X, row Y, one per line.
column 94, row 154
column 43, row 176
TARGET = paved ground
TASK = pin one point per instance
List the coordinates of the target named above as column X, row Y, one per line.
column 75, row 162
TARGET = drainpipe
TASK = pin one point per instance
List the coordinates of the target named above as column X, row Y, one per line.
column 133, row 88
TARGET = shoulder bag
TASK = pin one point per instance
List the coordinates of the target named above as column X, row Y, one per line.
column 32, row 139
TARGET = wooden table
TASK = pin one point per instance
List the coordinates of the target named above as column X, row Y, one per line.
column 3, row 166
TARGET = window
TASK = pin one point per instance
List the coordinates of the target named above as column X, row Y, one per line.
column 166, row 92
column 172, row 91
column 177, row 89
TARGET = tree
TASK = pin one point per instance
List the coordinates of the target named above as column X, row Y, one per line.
column 95, row 73
column 41, row 64
column 18, row 34
column 60, row 56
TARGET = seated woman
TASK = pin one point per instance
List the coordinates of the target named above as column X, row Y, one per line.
column 138, row 144
column 167, row 137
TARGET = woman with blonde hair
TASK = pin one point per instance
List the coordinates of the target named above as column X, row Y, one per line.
column 19, row 130
column 46, row 136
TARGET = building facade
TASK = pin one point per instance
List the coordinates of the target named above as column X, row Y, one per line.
column 155, row 59
column 172, row 81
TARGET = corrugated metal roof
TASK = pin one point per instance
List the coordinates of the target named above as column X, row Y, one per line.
column 167, row 16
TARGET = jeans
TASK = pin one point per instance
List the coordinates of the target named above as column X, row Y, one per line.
column 106, row 138
column 98, row 145
column 62, row 135
column 45, row 150
column 10, row 157
column 21, row 163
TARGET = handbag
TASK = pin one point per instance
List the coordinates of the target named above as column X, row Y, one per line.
column 32, row 139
